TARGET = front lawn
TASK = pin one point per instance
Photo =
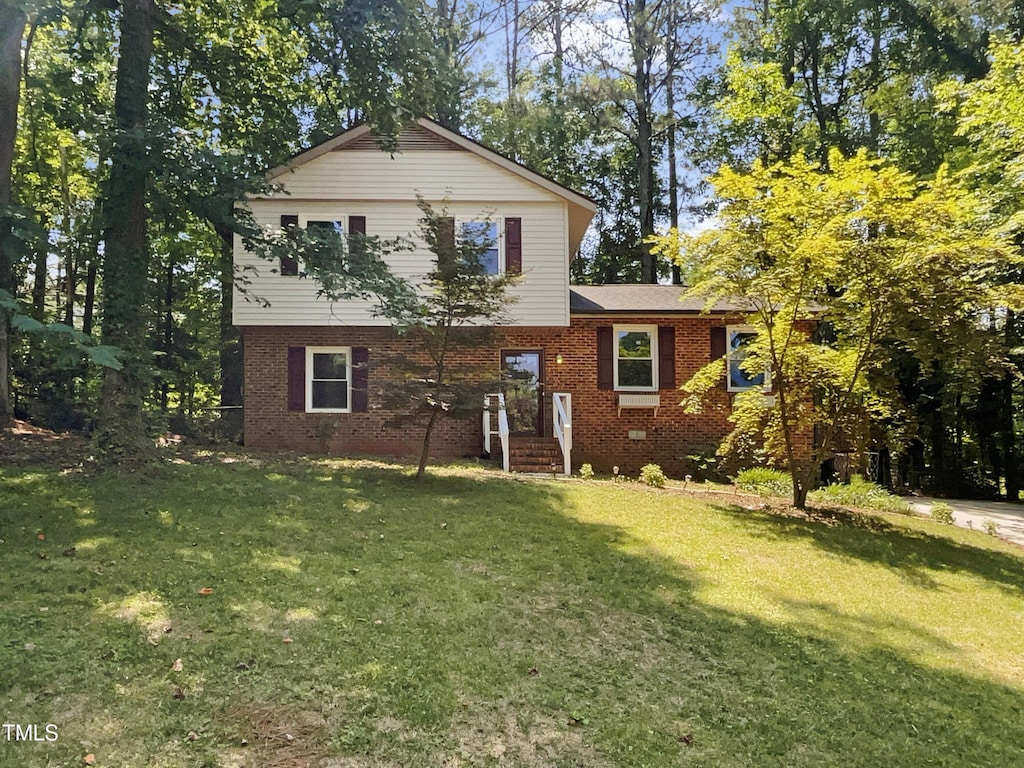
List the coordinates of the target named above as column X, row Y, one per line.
column 230, row 610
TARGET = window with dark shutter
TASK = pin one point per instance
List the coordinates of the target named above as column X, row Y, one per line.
column 289, row 264
column 605, row 358
column 514, row 246
column 360, row 379
column 296, row 378
column 666, row 357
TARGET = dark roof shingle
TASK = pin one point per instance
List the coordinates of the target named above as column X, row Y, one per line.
column 600, row 299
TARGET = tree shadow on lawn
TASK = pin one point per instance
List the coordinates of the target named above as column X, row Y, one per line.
column 870, row 538
column 459, row 618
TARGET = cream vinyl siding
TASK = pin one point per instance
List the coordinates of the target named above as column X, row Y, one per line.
column 374, row 175
column 543, row 292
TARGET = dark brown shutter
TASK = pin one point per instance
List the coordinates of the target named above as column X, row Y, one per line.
column 296, row 378
column 357, row 237
column 605, row 359
column 360, row 379
column 514, row 246
column 446, row 243
column 717, row 343
column 666, row 357
column 289, row 264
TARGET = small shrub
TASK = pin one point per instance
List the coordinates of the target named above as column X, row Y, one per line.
column 587, row 472
column 703, row 465
column 764, row 481
column 863, row 494
column 322, row 431
column 652, row 475
column 942, row 513
column 990, row 526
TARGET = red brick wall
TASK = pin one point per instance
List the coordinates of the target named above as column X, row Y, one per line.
column 600, row 435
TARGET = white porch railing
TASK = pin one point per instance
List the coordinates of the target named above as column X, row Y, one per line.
column 561, row 417
column 503, row 430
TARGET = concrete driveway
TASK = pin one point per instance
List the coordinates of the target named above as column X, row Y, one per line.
column 1008, row 517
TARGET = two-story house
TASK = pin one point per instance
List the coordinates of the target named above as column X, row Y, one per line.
column 605, row 359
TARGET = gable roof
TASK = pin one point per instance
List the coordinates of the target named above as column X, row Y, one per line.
column 639, row 299
column 427, row 134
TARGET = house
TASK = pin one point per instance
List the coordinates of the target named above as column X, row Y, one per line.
column 613, row 355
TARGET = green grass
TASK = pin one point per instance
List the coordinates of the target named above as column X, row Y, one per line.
column 473, row 620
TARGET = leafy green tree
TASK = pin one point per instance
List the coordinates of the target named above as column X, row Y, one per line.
column 813, row 76
column 456, row 309
column 830, row 270
column 990, row 118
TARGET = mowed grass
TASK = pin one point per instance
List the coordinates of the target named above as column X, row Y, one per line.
column 341, row 614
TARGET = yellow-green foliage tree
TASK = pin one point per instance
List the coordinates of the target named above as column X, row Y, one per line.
column 831, row 270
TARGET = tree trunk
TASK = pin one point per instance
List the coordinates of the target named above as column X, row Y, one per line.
column 425, row 451
column 39, row 283
column 12, row 27
column 230, row 343
column 673, row 180
column 122, row 431
column 644, row 137
column 1008, row 426
column 70, row 262
column 874, row 119
column 168, row 334
column 89, row 305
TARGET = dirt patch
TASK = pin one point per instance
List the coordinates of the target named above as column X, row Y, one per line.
column 502, row 733
column 24, row 443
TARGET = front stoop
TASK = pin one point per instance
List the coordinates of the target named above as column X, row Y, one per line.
column 535, row 455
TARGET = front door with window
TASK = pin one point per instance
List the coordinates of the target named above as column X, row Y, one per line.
column 522, row 382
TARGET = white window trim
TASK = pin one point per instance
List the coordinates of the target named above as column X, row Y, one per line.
column 310, row 351
column 729, row 331
column 499, row 238
column 653, row 331
column 305, row 218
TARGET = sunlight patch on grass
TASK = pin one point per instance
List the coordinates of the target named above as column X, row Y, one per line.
column 258, row 615
column 276, row 562
column 300, row 615
column 372, row 670
column 91, row 545
column 145, row 609
column 196, row 555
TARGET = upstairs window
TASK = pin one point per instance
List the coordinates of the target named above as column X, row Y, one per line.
column 739, row 338
column 484, row 233
column 323, row 227
column 636, row 356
